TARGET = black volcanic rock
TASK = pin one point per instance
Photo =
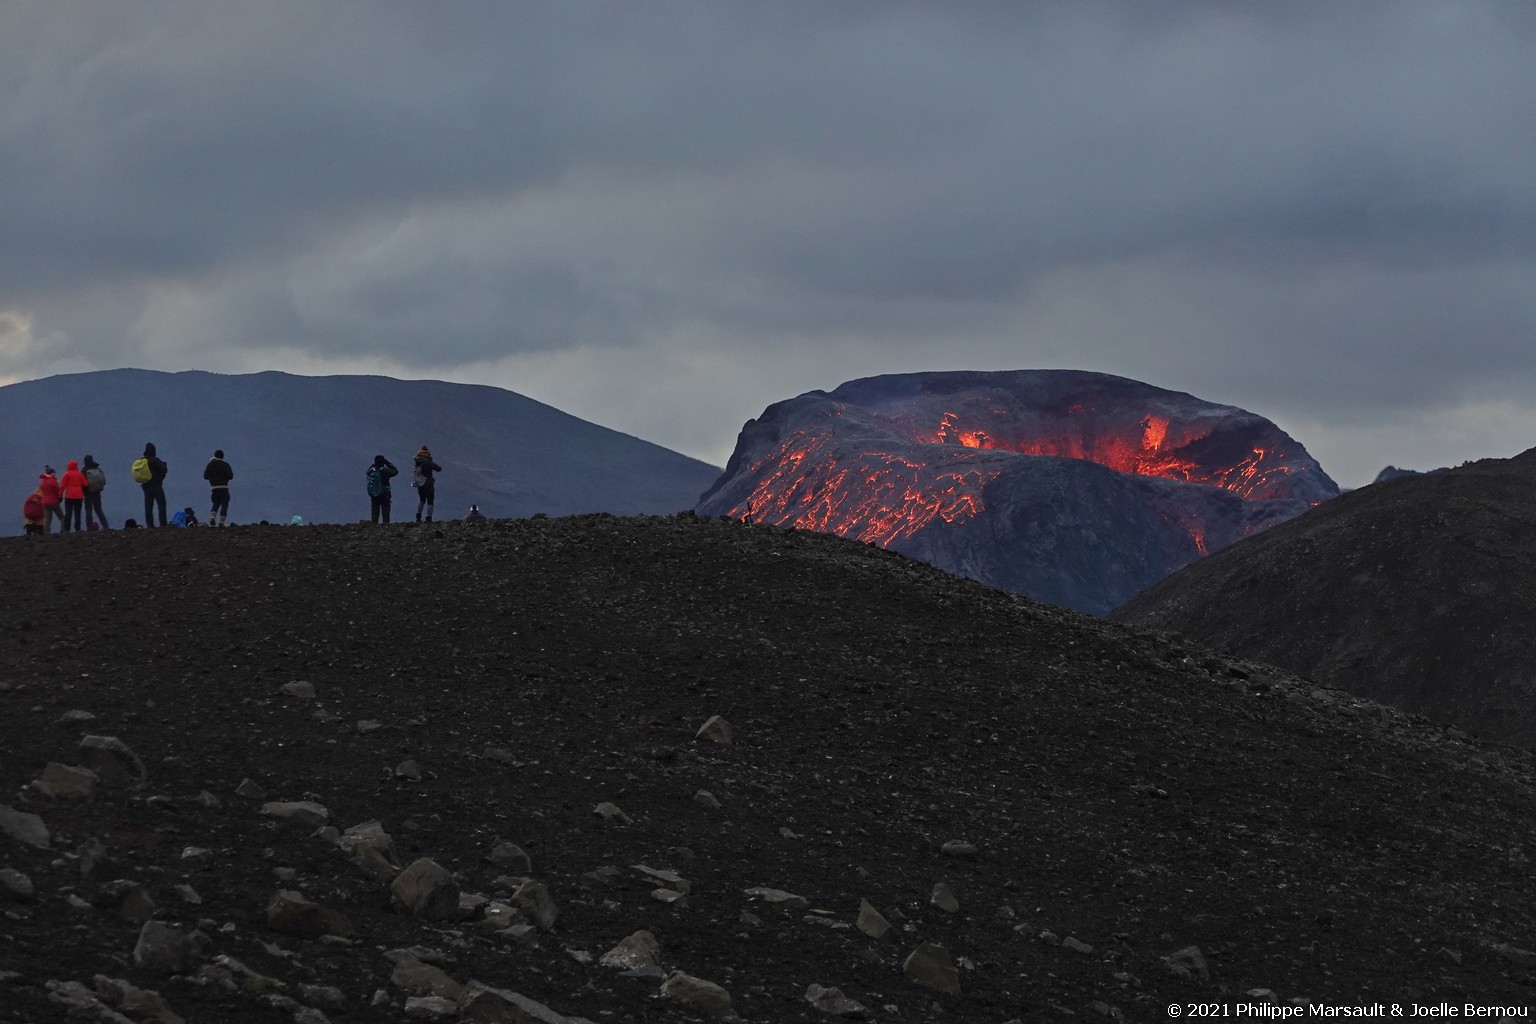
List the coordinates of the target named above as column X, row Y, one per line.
column 1207, row 825
column 1076, row 488
column 300, row 445
column 1418, row 592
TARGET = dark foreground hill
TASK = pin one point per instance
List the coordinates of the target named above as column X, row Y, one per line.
column 1123, row 822
column 1418, row 591
column 300, row 445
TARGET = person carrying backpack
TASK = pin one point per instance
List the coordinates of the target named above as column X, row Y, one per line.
column 96, row 482
column 53, row 495
column 33, row 515
column 424, row 482
column 378, row 487
column 219, row 474
column 73, row 483
column 154, row 486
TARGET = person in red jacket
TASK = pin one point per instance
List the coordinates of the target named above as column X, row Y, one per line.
column 53, row 494
column 73, row 483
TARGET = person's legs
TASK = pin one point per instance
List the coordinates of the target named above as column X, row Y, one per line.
column 375, row 504
column 429, row 495
column 93, row 506
column 384, row 504
column 72, row 508
column 154, row 498
column 54, row 512
column 219, row 515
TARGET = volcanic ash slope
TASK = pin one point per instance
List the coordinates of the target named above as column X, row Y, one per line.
column 1418, row 591
column 403, row 773
column 1076, row 488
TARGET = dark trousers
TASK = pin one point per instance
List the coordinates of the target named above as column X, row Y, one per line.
column 426, row 496
column 154, row 497
column 93, row 508
column 380, row 508
column 220, row 500
column 72, row 507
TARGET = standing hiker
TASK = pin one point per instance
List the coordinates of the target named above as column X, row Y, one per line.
column 53, row 494
column 150, row 471
column 73, row 483
column 219, row 474
column 378, row 487
column 424, row 482
column 96, row 482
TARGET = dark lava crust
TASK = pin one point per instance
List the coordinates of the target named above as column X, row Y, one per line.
column 1128, row 796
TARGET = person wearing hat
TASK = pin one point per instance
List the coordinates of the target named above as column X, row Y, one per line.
column 219, row 474
column 53, row 494
column 96, row 482
column 424, row 482
column 379, row 473
column 154, row 487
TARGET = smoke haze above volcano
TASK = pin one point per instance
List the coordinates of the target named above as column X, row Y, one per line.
column 663, row 217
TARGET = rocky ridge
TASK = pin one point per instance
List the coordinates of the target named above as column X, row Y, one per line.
column 679, row 769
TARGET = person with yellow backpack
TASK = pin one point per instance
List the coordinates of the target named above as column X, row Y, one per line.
column 149, row 473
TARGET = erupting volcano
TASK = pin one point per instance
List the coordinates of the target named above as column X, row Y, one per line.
column 1076, row 488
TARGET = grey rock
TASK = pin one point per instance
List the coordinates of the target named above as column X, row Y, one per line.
column 664, row 878
column 161, row 948
column 300, row 812
column 188, row 894
column 610, row 813
column 958, row 848
column 309, row 1015
column 208, row 800
column 1515, row 955
column 77, row 716
column 415, row 976
column 943, row 897
column 716, row 730
column 639, row 949
column 327, row 997
column 510, row 857
column 126, row 899
column 696, row 994
column 671, row 897
column 482, row 1003
column 22, row 827
column 94, row 861
column 704, row 798
column 929, row 965
column 80, row 1003
column 427, row 890
column 143, row 1004
column 368, row 725
column 832, row 1002
column 430, row 1008
column 1076, row 945
column 1188, row 963
column 66, row 782
column 408, row 770
column 370, row 835
column 293, row 913
column 15, row 886
column 112, row 760
column 303, row 689
column 871, row 922
column 250, row 790
column 499, row 755
column 778, row 897
column 534, row 900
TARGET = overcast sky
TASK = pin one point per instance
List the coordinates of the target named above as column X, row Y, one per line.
column 663, row 216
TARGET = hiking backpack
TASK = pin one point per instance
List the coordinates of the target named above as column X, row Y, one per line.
column 378, row 486
column 96, row 477
column 142, row 474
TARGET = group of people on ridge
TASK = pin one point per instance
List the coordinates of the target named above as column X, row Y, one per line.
column 79, row 489
column 64, row 498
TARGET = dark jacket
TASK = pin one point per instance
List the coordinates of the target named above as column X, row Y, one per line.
column 157, row 466
column 95, row 474
column 386, row 470
column 425, row 467
column 218, row 473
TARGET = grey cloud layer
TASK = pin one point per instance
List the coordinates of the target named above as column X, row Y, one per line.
column 1305, row 203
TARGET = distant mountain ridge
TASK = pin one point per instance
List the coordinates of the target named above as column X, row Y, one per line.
column 1072, row 487
column 300, row 445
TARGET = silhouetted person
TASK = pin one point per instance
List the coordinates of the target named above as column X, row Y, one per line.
column 96, row 482
column 218, row 474
column 379, row 473
column 474, row 515
column 424, row 482
column 154, row 487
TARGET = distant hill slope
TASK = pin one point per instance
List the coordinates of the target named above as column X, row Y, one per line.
column 300, row 445
column 1125, row 822
column 1418, row 591
column 1071, row 487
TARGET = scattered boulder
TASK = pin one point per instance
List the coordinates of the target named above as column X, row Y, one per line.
column 421, row 978
column 430, row 1008
column 610, row 812
column 300, row 812
column 112, row 761
column 716, row 730
column 293, row 913
column 943, row 897
column 250, row 790
column 662, row 877
column 427, row 890
column 499, row 1006
column 81, row 1003
column 959, row 849
column 66, row 782
column 533, row 899
column 77, row 716
column 871, row 922
column 94, row 861
column 15, row 886
column 778, row 897
column 408, row 770
column 303, row 689
column 24, row 828
column 1076, row 945
column 126, row 899
column 140, row 1003
column 639, row 949
column 511, row 858
column 832, row 1002
column 161, row 949
column 696, row 994
column 1188, row 963
column 704, row 798
column 930, row 966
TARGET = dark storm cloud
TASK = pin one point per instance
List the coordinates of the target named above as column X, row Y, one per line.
column 1292, row 205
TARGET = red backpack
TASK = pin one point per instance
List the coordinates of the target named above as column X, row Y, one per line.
column 32, row 508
